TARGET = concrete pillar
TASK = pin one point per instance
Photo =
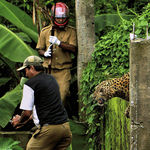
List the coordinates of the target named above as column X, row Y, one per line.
column 140, row 94
column 85, row 25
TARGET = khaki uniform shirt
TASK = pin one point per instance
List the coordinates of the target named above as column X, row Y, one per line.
column 60, row 58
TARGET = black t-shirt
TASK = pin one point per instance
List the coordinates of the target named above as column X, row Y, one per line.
column 46, row 98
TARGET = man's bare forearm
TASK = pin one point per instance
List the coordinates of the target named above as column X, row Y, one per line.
column 68, row 47
column 25, row 115
column 41, row 52
column 18, row 121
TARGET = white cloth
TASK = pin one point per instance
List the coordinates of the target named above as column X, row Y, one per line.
column 35, row 117
column 27, row 103
column 133, row 36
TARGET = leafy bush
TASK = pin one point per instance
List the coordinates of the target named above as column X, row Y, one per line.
column 9, row 144
column 110, row 7
column 9, row 102
column 110, row 59
column 14, row 48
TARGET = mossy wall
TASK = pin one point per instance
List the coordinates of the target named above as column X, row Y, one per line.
column 115, row 127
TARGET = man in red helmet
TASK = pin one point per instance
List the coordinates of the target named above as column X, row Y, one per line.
column 64, row 43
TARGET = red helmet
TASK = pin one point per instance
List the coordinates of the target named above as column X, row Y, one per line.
column 61, row 11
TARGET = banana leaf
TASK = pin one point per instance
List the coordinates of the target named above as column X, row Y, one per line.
column 9, row 144
column 13, row 47
column 23, row 37
column 9, row 102
column 104, row 20
column 19, row 18
column 10, row 64
column 4, row 80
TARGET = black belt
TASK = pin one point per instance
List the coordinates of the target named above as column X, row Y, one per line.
column 40, row 127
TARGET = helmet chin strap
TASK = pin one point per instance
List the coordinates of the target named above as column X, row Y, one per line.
column 61, row 25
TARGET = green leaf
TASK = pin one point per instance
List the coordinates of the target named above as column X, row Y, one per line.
column 91, row 119
column 104, row 20
column 93, row 130
column 78, row 128
column 90, row 140
column 9, row 102
column 4, row 80
column 10, row 64
column 18, row 18
column 9, row 144
column 22, row 81
column 24, row 37
column 13, row 47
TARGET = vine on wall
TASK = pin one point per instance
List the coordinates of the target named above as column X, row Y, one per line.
column 110, row 59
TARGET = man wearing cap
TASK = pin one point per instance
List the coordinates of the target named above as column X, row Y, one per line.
column 41, row 99
column 63, row 42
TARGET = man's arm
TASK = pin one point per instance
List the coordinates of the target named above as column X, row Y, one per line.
column 19, row 121
column 41, row 52
column 64, row 46
column 68, row 47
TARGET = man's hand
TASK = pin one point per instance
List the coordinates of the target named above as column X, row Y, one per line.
column 19, row 121
column 54, row 40
column 16, row 123
column 48, row 53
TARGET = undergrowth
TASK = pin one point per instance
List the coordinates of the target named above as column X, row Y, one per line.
column 110, row 59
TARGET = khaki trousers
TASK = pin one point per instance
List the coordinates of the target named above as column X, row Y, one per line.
column 51, row 137
column 63, row 77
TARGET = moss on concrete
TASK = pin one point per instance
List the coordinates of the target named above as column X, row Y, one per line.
column 116, row 133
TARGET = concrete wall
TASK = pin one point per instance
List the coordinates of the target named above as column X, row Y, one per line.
column 85, row 25
column 140, row 94
column 22, row 136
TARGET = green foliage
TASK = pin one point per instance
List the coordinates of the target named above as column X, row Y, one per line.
column 69, row 147
column 14, row 48
column 17, row 50
column 104, row 20
column 79, row 134
column 15, row 45
column 71, row 5
column 4, row 80
column 101, row 21
column 110, row 7
column 19, row 18
column 9, row 102
column 5, row 73
column 25, row 5
column 9, row 144
column 110, row 59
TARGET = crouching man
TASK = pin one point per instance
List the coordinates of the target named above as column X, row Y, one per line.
column 41, row 99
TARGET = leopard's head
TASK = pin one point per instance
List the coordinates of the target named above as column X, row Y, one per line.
column 117, row 87
column 101, row 93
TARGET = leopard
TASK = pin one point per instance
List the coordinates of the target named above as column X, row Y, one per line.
column 117, row 87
